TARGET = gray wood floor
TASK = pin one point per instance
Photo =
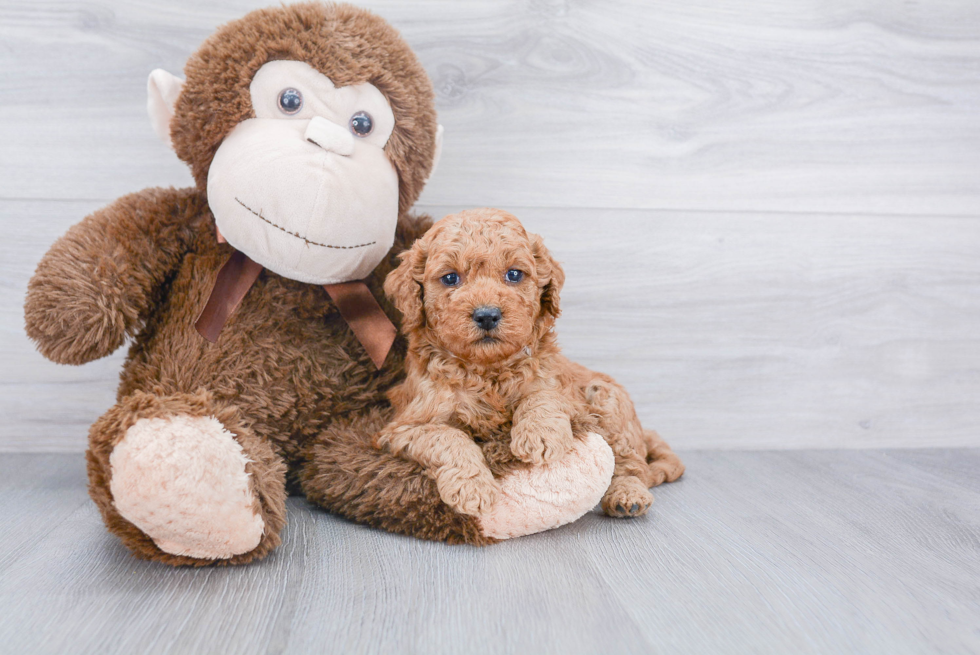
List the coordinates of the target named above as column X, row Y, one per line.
column 752, row 552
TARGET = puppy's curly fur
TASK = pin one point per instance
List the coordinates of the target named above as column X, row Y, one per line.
column 482, row 399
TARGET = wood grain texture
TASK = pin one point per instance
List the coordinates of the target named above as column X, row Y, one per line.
column 768, row 327
column 864, row 552
column 804, row 105
column 729, row 330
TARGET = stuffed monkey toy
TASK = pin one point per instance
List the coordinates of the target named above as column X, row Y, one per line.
column 261, row 343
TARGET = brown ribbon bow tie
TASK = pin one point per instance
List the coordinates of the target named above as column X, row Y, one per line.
column 356, row 303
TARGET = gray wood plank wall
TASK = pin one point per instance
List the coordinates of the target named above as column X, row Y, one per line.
column 768, row 211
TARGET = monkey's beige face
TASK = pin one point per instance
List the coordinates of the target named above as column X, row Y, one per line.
column 305, row 188
column 481, row 290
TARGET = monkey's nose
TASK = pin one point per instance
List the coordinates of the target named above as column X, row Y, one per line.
column 487, row 317
column 330, row 136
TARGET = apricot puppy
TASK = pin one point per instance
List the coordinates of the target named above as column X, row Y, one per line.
column 487, row 387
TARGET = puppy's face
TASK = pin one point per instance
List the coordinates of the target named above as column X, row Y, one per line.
column 478, row 286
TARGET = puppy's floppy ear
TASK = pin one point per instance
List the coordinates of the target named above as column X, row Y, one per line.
column 404, row 285
column 550, row 275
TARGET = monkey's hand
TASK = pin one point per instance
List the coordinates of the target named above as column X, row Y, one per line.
column 99, row 282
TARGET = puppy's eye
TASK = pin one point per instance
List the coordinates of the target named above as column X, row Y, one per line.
column 450, row 279
column 290, row 101
column 514, row 275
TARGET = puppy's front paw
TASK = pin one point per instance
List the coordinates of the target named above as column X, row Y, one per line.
column 469, row 491
column 542, row 441
column 626, row 498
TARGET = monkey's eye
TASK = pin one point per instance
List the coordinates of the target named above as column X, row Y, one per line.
column 450, row 279
column 361, row 123
column 514, row 275
column 290, row 101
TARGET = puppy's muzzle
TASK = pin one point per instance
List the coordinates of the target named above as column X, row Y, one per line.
column 486, row 317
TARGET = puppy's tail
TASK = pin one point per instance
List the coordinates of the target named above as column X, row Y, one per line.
column 662, row 464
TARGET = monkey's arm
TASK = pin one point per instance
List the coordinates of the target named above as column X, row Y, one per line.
column 99, row 281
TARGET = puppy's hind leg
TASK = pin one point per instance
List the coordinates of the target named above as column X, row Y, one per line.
column 663, row 465
column 643, row 459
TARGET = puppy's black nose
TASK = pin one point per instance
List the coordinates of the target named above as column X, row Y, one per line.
column 486, row 317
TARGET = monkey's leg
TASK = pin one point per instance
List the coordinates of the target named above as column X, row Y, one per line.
column 181, row 480
column 346, row 474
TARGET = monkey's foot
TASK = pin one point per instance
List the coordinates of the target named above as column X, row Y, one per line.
column 182, row 480
column 550, row 495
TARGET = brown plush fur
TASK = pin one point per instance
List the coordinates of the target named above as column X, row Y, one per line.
column 287, row 376
column 468, row 387
column 267, row 472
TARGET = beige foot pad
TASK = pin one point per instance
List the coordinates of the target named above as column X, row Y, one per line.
column 550, row 495
column 182, row 481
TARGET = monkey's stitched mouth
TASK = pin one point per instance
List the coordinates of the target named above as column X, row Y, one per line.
column 300, row 237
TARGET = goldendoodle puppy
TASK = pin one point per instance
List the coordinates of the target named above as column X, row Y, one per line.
column 487, row 387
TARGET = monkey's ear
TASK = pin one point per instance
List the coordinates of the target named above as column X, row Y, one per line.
column 404, row 286
column 162, row 90
column 551, row 278
column 437, row 154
